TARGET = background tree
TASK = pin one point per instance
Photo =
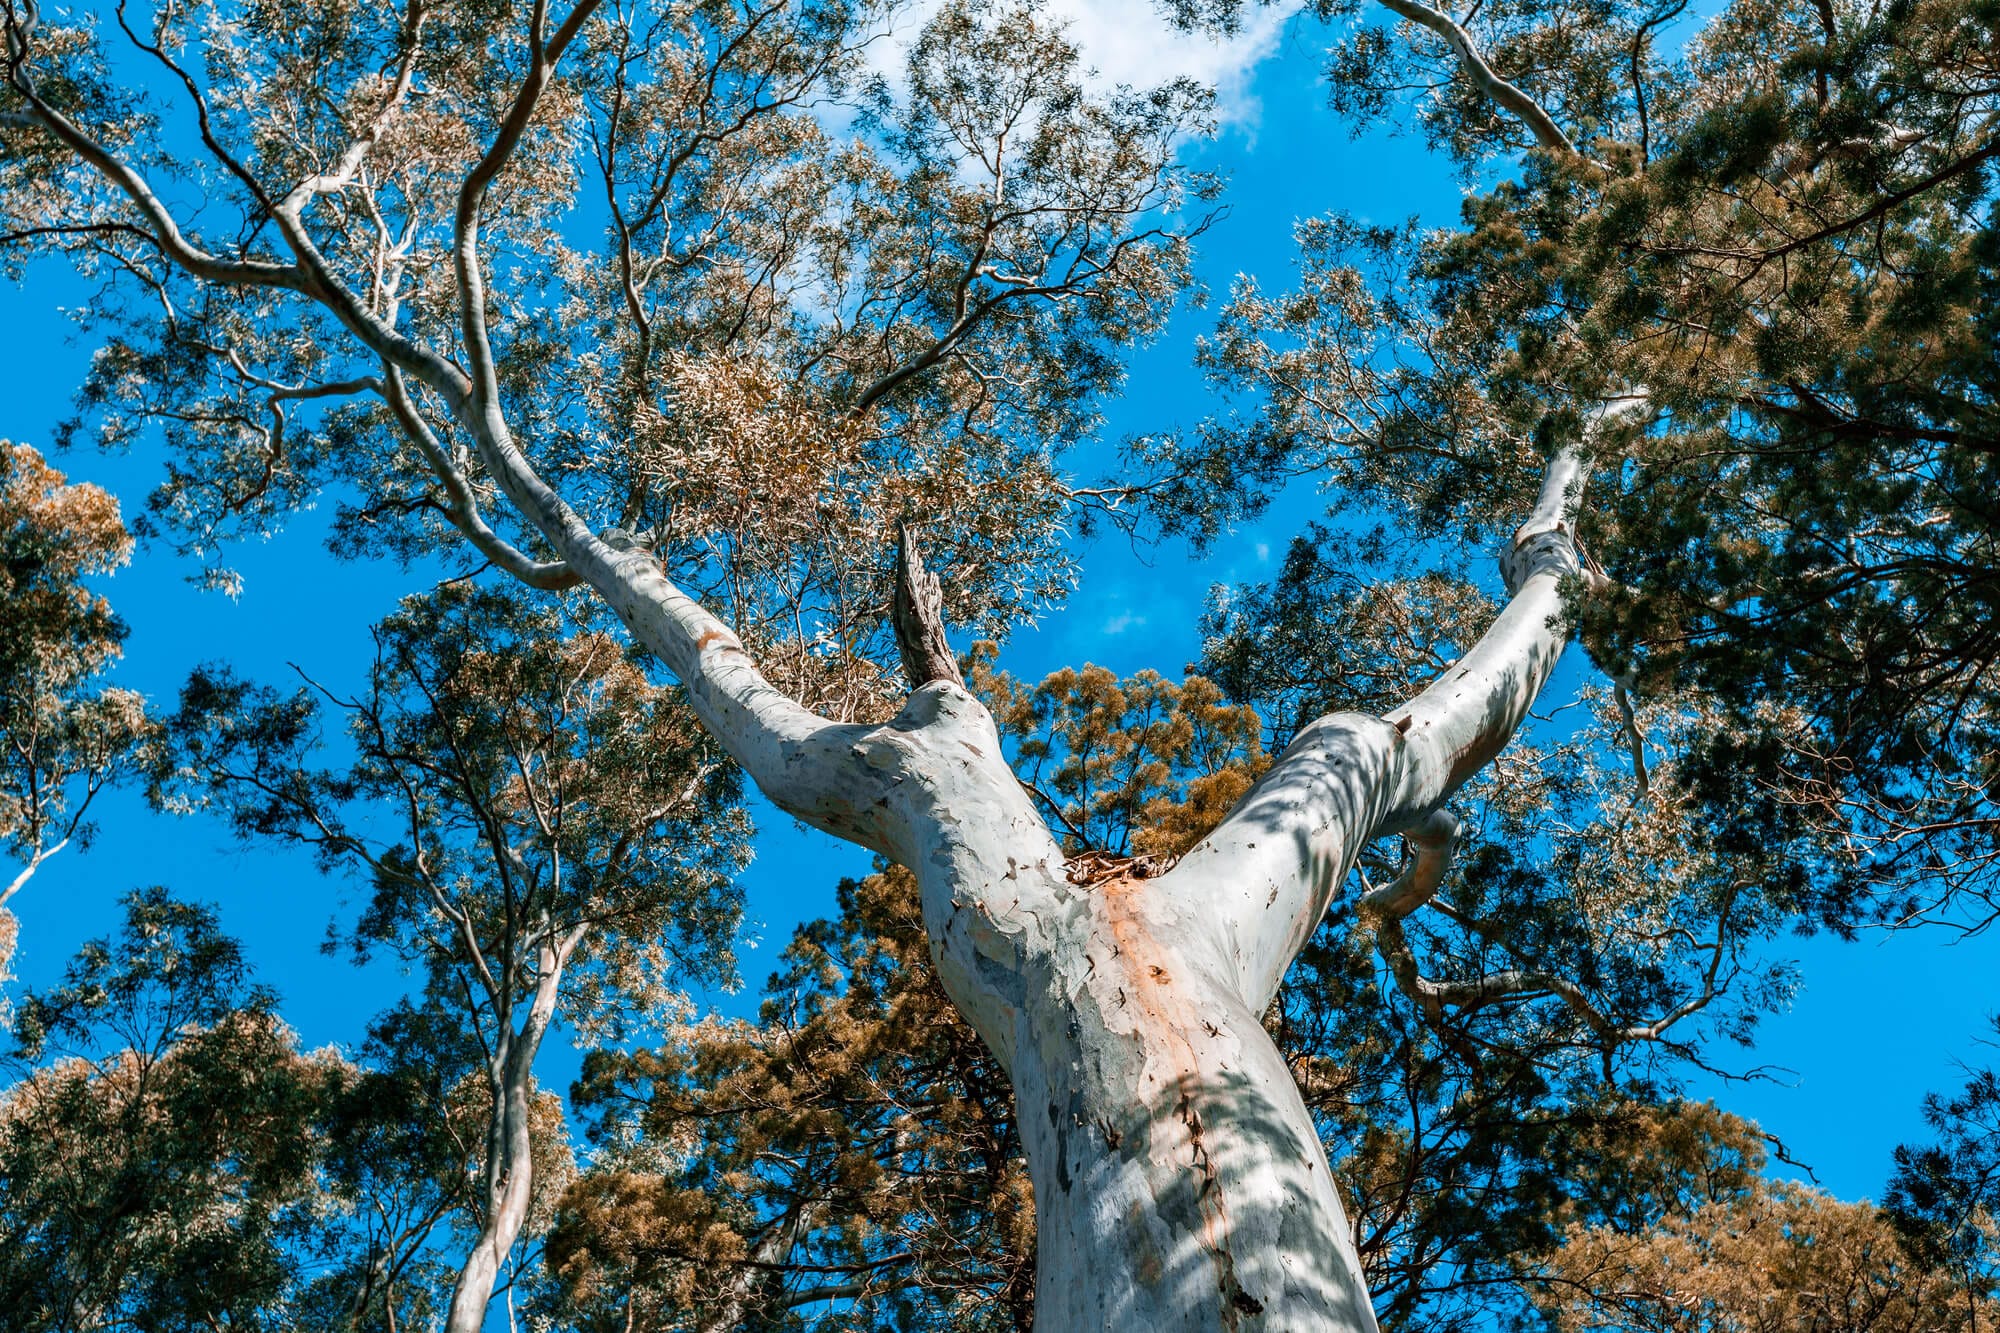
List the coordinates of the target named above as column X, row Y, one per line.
column 1779, row 1256
column 1945, row 1195
column 159, row 1151
column 1781, row 226
column 545, row 836
column 65, row 733
column 853, row 1151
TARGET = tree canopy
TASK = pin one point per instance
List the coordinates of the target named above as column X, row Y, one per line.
column 712, row 369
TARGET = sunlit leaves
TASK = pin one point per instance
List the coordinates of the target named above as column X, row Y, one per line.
column 63, row 733
column 943, row 271
column 160, row 1166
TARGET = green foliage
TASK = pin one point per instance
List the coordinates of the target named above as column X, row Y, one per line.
column 66, row 734
column 1945, row 1195
column 522, row 797
column 158, row 1161
column 1783, row 230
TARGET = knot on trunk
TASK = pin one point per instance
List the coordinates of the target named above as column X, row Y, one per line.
column 1538, row 547
column 917, row 613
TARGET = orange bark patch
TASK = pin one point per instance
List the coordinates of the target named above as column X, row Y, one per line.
column 1167, row 1019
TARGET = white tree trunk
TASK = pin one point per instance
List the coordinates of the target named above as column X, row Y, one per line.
column 509, row 1176
column 507, row 1209
column 510, row 1184
column 1179, row 1180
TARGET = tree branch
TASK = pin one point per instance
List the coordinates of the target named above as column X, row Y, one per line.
column 1530, row 112
column 462, row 505
column 1268, row 873
column 189, row 256
column 357, row 152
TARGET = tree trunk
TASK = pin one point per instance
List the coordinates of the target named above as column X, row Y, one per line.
column 1179, row 1179
column 510, row 1162
column 511, row 1184
column 1179, row 1182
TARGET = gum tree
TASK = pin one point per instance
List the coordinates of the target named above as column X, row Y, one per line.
column 545, row 836
column 777, row 344
column 850, row 1159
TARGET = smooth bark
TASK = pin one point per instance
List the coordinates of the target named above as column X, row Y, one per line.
column 508, row 1179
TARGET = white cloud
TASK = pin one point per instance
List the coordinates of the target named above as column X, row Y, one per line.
column 1131, row 42
column 1124, row 620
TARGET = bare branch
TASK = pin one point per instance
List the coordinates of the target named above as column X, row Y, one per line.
column 918, row 614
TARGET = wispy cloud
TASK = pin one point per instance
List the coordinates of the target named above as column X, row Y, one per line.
column 1130, row 42
column 1123, row 621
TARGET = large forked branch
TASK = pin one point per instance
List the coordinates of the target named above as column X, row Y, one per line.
column 20, row 23
column 1270, row 871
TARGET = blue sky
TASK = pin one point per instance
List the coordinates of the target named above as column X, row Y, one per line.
column 1876, row 1025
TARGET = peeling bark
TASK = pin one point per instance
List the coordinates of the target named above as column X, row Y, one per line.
column 918, row 615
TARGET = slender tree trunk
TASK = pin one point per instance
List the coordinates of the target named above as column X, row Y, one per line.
column 512, row 1181
column 510, row 1163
